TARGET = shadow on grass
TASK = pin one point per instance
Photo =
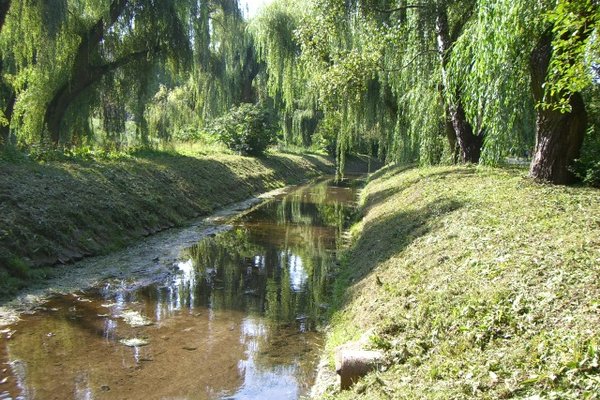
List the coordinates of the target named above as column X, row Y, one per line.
column 385, row 238
column 392, row 170
column 376, row 197
column 319, row 164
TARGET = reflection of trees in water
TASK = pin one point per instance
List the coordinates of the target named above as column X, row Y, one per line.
column 276, row 263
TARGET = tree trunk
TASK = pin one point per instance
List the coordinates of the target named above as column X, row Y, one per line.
column 559, row 136
column 57, row 108
column 249, row 73
column 469, row 143
column 202, row 35
column 83, row 73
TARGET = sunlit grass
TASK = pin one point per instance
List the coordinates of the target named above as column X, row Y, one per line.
column 477, row 283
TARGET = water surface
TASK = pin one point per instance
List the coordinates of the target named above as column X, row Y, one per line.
column 236, row 319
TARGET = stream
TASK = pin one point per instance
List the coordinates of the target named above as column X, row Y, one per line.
column 234, row 315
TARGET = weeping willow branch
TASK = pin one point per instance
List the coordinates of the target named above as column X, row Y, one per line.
column 409, row 63
column 126, row 59
column 83, row 73
column 4, row 7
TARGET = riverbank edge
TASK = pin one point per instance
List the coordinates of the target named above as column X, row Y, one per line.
column 474, row 282
column 144, row 262
column 60, row 212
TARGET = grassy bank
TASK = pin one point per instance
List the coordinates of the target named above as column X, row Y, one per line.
column 61, row 211
column 476, row 283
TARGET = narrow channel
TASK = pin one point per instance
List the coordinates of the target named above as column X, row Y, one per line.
column 237, row 319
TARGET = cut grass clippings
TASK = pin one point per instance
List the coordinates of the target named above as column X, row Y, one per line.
column 476, row 283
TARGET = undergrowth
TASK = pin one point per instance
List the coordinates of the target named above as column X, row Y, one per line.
column 476, row 283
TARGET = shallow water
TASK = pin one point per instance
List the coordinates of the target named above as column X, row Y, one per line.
column 236, row 319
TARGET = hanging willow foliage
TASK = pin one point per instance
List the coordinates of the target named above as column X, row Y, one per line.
column 274, row 35
column 64, row 61
column 490, row 68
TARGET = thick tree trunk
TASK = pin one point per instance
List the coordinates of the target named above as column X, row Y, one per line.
column 249, row 73
column 57, row 108
column 559, row 136
column 469, row 143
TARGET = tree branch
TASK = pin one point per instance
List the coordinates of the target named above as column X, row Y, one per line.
column 408, row 64
column 126, row 59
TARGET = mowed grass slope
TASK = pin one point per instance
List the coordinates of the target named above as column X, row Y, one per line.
column 61, row 211
column 477, row 283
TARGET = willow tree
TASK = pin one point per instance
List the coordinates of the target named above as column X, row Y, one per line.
column 403, row 48
column 61, row 58
column 560, row 69
column 512, row 46
column 226, row 64
column 221, row 75
column 28, row 32
column 287, row 79
column 124, row 32
column 6, row 94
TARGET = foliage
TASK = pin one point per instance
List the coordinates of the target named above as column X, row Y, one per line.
column 171, row 116
column 576, row 26
column 327, row 133
column 274, row 34
column 376, row 68
column 151, row 55
column 247, row 129
column 373, row 76
column 490, row 66
column 587, row 167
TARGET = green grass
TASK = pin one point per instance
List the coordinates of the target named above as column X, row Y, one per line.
column 61, row 208
column 477, row 283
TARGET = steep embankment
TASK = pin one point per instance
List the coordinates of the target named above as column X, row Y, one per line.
column 476, row 283
column 58, row 212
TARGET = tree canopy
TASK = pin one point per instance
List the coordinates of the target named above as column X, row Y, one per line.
column 438, row 81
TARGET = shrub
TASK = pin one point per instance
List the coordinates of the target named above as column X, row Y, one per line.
column 587, row 167
column 247, row 129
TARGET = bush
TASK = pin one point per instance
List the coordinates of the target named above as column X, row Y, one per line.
column 327, row 133
column 247, row 129
column 587, row 167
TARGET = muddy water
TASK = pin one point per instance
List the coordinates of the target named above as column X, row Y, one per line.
column 235, row 319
